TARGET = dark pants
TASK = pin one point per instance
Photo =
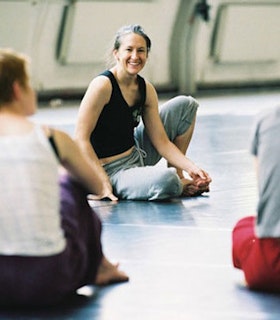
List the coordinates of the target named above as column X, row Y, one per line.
column 26, row 280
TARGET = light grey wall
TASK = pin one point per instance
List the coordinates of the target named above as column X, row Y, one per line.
column 239, row 44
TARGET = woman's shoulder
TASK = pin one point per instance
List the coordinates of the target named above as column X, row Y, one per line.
column 150, row 88
column 101, row 83
column 107, row 73
column 105, row 77
column 16, row 128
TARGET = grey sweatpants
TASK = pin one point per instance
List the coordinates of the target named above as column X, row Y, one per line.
column 136, row 177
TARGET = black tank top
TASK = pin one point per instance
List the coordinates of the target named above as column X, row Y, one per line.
column 114, row 131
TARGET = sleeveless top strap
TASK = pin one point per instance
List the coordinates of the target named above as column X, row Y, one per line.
column 54, row 145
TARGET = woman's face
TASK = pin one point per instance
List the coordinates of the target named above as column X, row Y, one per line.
column 132, row 53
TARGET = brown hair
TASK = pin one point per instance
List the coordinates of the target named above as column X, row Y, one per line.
column 133, row 28
column 13, row 67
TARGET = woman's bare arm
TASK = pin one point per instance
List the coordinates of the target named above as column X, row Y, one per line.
column 160, row 140
column 79, row 168
column 97, row 95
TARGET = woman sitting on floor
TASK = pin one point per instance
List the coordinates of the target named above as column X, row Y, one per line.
column 124, row 149
column 49, row 236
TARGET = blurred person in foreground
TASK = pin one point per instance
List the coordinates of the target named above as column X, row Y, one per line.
column 49, row 235
column 256, row 239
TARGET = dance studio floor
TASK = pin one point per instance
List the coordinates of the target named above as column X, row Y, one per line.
column 178, row 253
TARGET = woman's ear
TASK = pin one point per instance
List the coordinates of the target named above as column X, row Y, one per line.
column 115, row 54
column 17, row 90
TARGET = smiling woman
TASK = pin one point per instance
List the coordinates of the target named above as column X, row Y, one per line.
column 125, row 149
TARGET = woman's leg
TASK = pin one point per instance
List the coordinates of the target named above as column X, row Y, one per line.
column 147, row 183
column 47, row 280
column 178, row 117
column 182, row 142
column 82, row 229
column 132, row 180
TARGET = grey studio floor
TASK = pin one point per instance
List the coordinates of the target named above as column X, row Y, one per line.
column 178, row 253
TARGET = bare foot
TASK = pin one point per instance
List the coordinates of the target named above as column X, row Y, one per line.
column 109, row 273
column 192, row 189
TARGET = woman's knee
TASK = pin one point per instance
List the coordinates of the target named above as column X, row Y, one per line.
column 183, row 103
column 186, row 100
column 188, row 106
column 178, row 115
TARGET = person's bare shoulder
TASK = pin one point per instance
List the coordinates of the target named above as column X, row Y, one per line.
column 101, row 84
column 98, row 93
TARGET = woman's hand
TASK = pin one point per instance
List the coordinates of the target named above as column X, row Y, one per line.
column 107, row 193
column 199, row 183
column 199, row 175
